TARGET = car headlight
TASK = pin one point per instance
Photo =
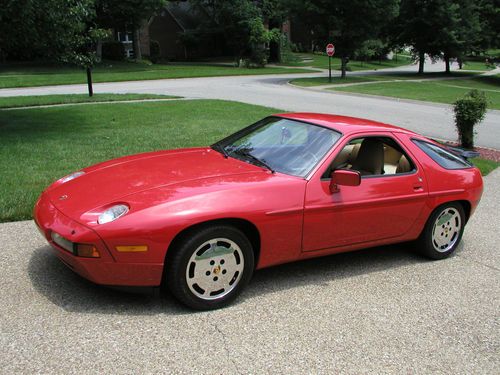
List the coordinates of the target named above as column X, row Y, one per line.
column 72, row 176
column 112, row 213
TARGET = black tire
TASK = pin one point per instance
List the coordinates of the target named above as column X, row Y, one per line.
column 181, row 281
column 434, row 235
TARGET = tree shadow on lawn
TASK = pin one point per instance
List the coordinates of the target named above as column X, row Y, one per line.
column 492, row 80
column 66, row 289
column 28, row 125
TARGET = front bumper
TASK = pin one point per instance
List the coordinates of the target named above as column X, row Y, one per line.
column 104, row 270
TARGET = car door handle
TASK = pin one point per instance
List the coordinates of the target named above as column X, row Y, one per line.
column 418, row 188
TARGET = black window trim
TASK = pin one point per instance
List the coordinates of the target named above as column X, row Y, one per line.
column 465, row 161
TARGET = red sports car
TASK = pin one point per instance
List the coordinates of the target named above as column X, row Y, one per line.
column 289, row 187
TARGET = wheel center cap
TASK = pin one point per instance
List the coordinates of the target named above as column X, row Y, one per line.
column 216, row 270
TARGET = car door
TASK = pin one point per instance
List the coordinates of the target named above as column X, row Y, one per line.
column 384, row 205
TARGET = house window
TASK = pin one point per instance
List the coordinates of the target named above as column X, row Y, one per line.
column 124, row 37
column 127, row 39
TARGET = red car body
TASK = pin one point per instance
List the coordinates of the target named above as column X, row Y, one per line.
column 287, row 218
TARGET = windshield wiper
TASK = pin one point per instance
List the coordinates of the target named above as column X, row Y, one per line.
column 256, row 160
column 221, row 149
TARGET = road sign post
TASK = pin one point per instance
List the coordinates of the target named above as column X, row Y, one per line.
column 330, row 50
column 329, row 69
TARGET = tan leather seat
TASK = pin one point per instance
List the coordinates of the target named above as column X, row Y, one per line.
column 344, row 159
column 391, row 155
column 404, row 165
column 354, row 153
column 370, row 159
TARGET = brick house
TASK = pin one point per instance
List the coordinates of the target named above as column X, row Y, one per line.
column 174, row 28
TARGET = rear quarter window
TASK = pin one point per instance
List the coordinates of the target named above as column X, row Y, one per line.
column 443, row 157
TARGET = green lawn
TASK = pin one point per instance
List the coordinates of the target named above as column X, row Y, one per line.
column 321, row 61
column 27, row 75
column 336, row 80
column 486, row 166
column 440, row 91
column 37, row 146
column 319, row 81
column 27, row 101
column 476, row 65
column 493, row 52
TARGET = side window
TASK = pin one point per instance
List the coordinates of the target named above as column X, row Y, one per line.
column 372, row 156
column 442, row 156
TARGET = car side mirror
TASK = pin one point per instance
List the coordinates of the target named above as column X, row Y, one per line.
column 344, row 177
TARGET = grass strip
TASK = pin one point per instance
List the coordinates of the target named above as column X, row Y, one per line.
column 438, row 91
column 31, row 75
column 41, row 100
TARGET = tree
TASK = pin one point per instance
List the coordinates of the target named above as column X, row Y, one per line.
column 461, row 31
column 418, row 25
column 440, row 28
column 127, row 15
column 81, row 45
column 346, row 23
column 242, row 24
column 56, row 30
column 489, row 16
column 38, row 29
column 371, row 49
column 274, row 14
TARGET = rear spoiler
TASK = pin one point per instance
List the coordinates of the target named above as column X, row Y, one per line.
column 464, row 154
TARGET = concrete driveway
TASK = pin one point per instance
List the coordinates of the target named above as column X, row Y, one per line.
column 384, row 310
column 430, row 119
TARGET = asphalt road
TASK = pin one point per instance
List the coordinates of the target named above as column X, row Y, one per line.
column 384, row 310
column 430, row 119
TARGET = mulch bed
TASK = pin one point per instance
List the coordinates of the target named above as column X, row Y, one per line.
column 488, row 153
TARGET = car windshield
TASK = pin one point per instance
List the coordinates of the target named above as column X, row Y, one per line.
column 279, row 144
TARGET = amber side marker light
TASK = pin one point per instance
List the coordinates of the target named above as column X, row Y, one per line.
column 87, row 251
column 132, row 249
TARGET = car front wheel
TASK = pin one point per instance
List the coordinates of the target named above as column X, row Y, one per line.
column 210, row 267
column 443, row 231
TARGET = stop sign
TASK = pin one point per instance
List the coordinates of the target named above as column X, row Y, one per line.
column 330, row 49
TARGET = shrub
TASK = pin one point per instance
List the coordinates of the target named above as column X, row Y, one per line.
column 154, row 51
column 258, row 57
column 113, row 51
column 287, row 47
column 469, row 111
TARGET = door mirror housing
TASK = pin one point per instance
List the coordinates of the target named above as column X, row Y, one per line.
column 344, row 177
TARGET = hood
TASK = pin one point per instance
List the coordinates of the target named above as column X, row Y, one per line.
column 112, row 181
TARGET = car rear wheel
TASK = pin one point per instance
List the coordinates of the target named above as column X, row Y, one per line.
column 443, row 231
column 210, row 267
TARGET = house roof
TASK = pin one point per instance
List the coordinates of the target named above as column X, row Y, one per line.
column 186, row 15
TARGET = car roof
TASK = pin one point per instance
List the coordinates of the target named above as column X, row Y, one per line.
column 343, row 124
